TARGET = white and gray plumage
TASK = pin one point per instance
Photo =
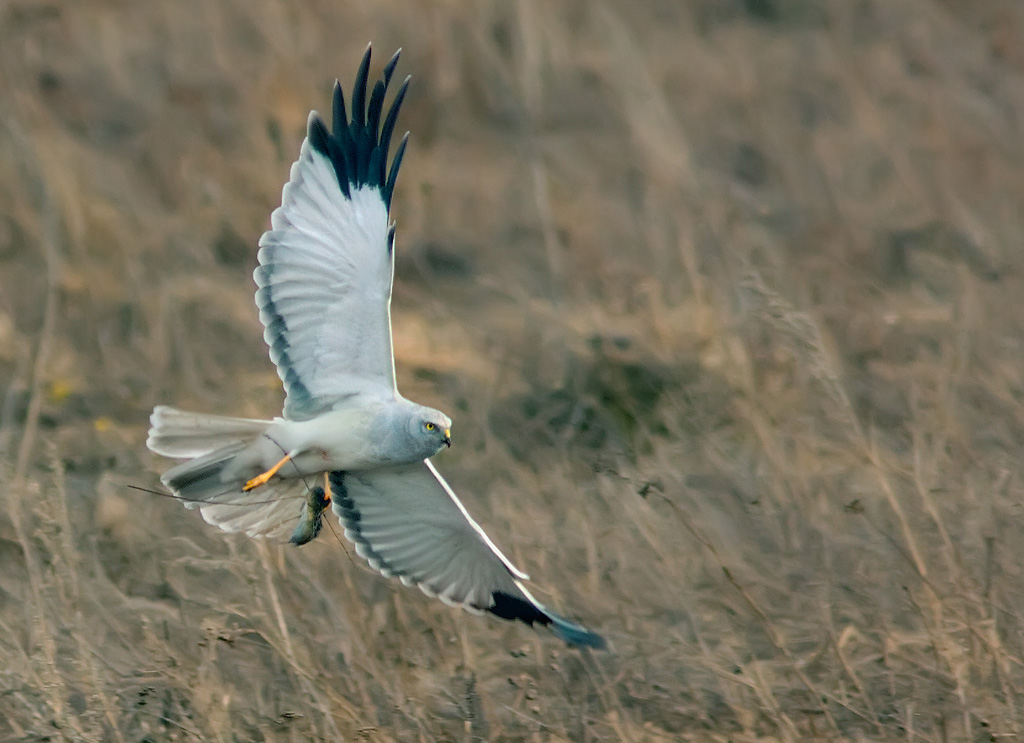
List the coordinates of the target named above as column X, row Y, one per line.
column 346, row 437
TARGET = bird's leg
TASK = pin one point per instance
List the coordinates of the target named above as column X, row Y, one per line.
column 262, row 479
column 327, row 487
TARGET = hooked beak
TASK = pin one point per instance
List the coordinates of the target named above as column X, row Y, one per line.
column 448, row 437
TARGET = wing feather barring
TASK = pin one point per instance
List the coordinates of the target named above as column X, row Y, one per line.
column 346, row 438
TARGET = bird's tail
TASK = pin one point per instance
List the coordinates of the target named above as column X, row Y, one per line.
column 182, row 435
column 221, row 454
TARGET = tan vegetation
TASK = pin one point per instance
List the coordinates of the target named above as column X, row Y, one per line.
column 724, row 298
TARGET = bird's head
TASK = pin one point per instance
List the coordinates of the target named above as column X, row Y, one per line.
column 432, row 429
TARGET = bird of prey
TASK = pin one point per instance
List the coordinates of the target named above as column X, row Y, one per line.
column 346, row 437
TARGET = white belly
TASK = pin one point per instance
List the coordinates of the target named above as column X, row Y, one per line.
column 334, row 441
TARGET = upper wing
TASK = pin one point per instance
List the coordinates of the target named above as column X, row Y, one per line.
column 326, row 264
column 406, row 522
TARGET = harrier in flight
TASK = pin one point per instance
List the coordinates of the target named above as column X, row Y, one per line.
column 346, row 438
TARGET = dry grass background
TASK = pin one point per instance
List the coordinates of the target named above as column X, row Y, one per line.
column 725, row 299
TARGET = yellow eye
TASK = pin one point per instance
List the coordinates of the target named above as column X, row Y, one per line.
column 431, row 426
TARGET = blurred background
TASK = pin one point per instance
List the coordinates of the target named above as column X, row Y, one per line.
column 724, row 297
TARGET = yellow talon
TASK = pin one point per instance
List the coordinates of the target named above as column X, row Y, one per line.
column 327, row 487
column 262, row 479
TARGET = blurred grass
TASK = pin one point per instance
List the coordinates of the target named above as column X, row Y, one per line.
column 722, row 296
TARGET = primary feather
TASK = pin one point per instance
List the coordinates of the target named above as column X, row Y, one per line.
column 326, row 265
column 324, row 295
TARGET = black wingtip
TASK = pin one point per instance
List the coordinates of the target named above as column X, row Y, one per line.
column 389, row 187
column 389, row 68
column 359, row 89
column 319, row 137
column 576, row 635
column 392, row 117
column 340, row 116
column 358, row 147
column 511, row 607
column 376, row 104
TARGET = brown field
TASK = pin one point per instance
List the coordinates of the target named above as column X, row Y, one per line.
column 726, row 299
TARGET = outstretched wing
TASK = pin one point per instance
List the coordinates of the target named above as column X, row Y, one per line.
column 326, row 265
column 406, row 522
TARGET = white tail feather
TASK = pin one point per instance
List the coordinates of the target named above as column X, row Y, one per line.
column 182, row 435
column 222, row 454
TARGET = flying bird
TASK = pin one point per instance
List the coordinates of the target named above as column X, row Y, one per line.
column 346, row 438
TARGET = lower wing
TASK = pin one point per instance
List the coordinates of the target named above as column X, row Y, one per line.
column 407, row 523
